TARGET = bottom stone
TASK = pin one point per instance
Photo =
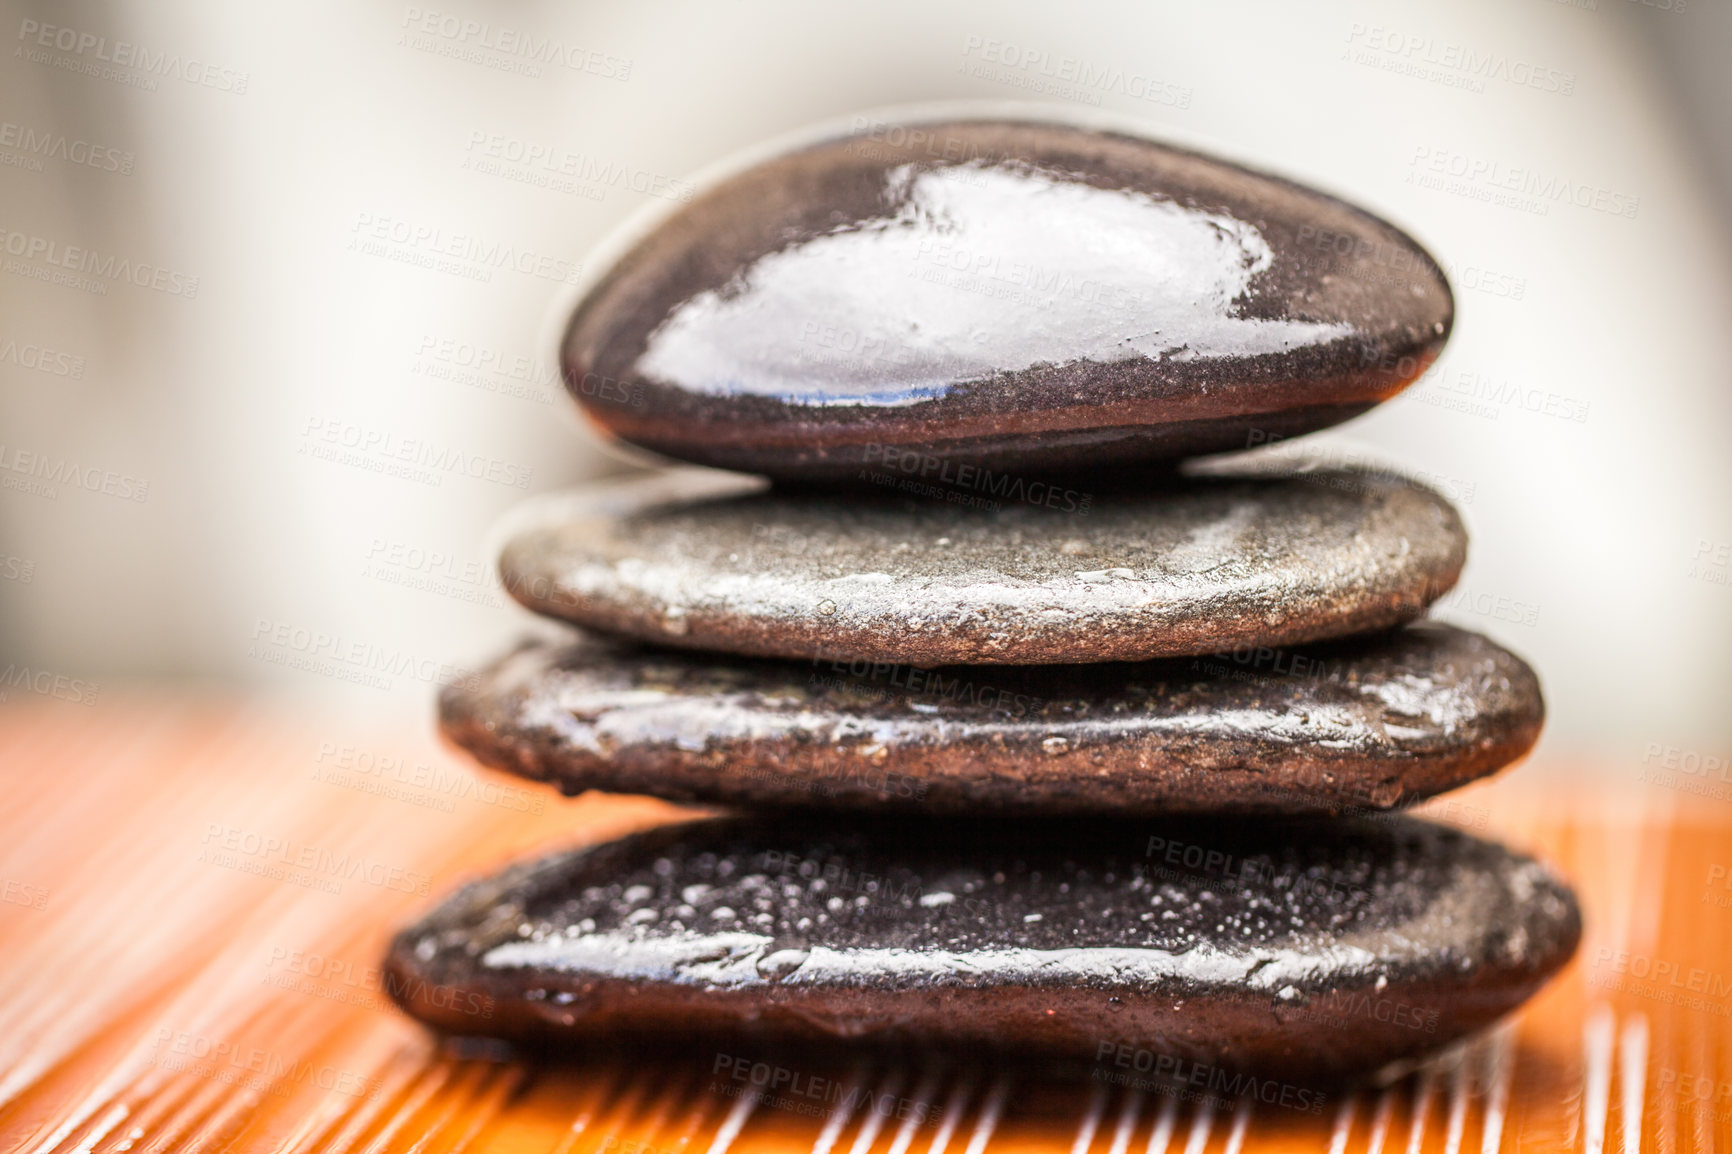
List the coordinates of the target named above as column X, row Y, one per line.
column 1309, row 950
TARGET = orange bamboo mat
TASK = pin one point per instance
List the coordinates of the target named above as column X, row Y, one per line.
column 195, row 898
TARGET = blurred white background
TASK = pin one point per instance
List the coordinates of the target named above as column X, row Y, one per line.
column 375, row 263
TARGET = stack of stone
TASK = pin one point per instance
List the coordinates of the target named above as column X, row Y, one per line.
column 1044, row 742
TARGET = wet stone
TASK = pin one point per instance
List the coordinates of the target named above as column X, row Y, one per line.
column 1175, row 566
column 1312, row 951
column 1028, row 296
column 1370, row 723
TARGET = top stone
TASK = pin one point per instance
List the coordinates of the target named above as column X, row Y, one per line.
column 1011, row 295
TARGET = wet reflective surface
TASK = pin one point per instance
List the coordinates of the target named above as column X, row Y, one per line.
column 1195, row 565
column 1028, row 296
column 1370, row 723
column 1242, row 943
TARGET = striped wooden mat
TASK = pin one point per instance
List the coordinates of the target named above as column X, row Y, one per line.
column 196, row 897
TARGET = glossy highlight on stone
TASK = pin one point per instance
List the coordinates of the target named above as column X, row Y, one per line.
column 1000, row 294
column 1370, row 723
column 1173, row 566
column 1311, row 950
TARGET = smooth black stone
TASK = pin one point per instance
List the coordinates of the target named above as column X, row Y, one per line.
column 1372, row 723
column 1029, row 296
column 1309, row 950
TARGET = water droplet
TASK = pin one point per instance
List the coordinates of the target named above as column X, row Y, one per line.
column 781, row 963
column 826, row 607
column 1101, row 576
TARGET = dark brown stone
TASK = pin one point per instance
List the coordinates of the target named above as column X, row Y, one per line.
column 1023, row 296
column 1371, row 723
column 1308, row 951
column 1177, row 567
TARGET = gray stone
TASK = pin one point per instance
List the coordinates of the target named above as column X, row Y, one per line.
column 1172, row 567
